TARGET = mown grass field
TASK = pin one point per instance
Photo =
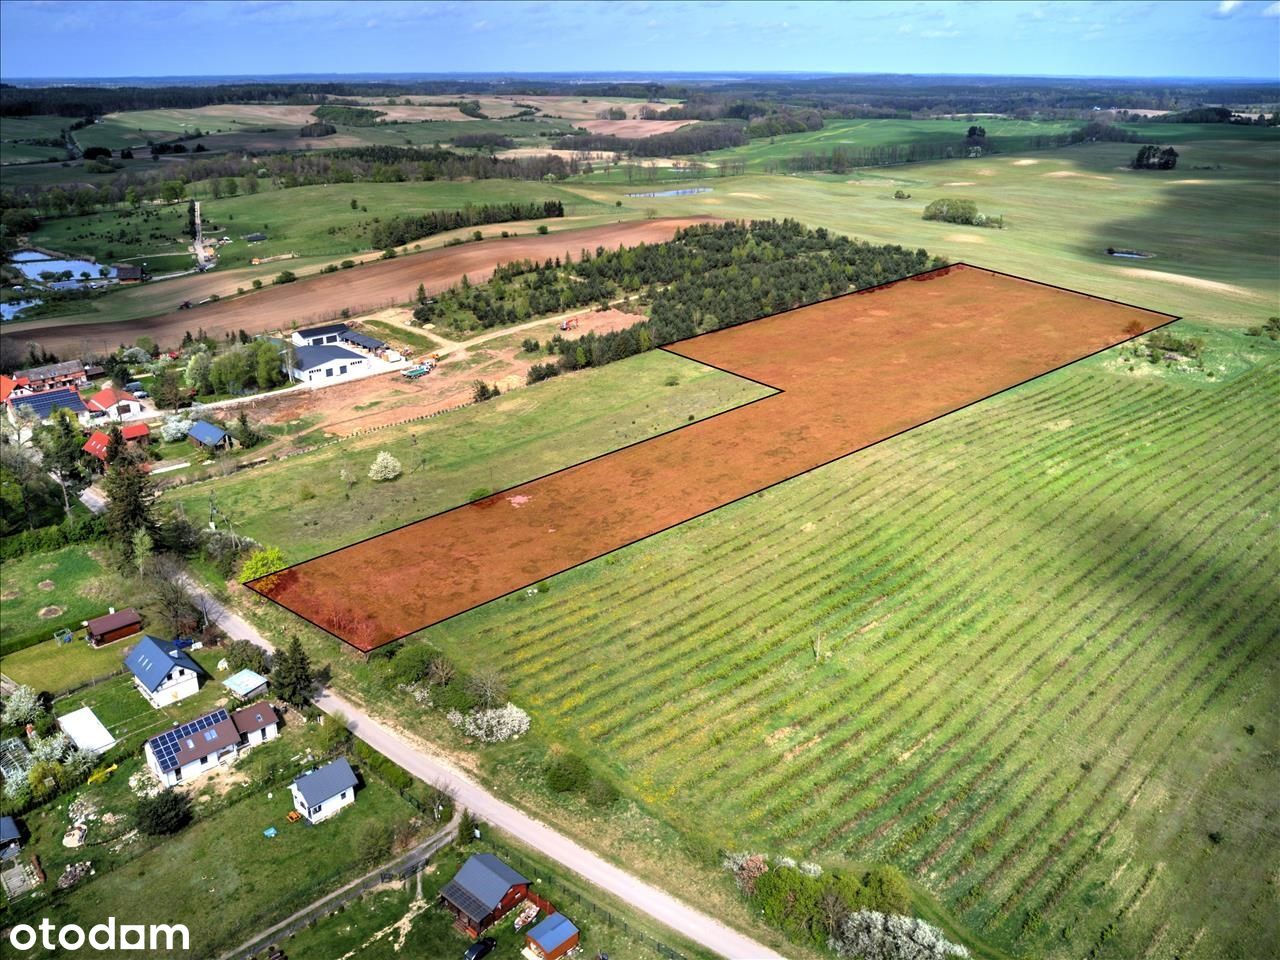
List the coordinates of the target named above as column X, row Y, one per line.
column 1025, row 653
column 1212, row 223
column 1008, row 135
column 76, row 585
column 304, row 506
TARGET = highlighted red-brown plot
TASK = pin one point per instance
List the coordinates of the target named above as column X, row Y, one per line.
column 848, row 372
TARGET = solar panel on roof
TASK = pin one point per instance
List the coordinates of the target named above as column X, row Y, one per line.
column 166, row 745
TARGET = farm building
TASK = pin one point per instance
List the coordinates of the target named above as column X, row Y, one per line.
column 51, row 376
column 208, row 437
column 482, row 893
column 319, row 336
column 325, row 363
column 551, row 939
column 364, row 342
column 113, row 403
column 162, row 671
column 256, row 237
column 116, row 625
column 86, row 731
column 128, row 273
column 320, row 794
column 246, row 684
column 42, row 405
column 209, row 741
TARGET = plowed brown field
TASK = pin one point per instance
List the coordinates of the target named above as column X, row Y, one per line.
column 367, row 287
column 849, row 372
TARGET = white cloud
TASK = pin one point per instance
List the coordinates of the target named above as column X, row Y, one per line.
column 1227, row 7
column 1273, row 10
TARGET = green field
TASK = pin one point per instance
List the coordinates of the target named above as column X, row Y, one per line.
column 77, row 586
column 490, row 446
column 1018, row 652
column 1211, row 222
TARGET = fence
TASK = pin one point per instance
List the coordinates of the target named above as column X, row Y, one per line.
column 570, row 901
column 119, row 671
column 406, row 867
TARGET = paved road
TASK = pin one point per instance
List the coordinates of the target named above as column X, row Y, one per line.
column 666, row 909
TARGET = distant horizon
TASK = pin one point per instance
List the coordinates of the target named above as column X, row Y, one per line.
column 597, row 76
column 1097, row 39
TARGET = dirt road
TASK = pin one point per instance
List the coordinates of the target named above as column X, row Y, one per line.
column 414, row 757
column 367, row 287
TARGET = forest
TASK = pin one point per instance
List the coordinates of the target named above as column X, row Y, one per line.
column 399, row 230
column 710, row 276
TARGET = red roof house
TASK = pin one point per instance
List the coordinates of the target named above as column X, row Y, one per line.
column 12, row 385
column 114, row 403
column 133, row 433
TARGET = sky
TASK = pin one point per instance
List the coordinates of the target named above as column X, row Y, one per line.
column 1111, row 38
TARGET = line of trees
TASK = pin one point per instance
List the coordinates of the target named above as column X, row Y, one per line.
column 1152, row 157
column 347, row 116
column 402, row 229
column 696, row 138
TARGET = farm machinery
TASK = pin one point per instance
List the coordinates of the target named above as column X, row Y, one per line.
column 569, row 323
column 421, row 370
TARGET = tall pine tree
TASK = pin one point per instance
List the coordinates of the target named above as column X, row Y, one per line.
column 291, row 675
column 131, row 492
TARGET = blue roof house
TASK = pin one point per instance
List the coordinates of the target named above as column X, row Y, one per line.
column 552, row 938
column 320, row 794
column 162, row 671
column 205, row 434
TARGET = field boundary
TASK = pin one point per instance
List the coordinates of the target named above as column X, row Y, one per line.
column 265, row 586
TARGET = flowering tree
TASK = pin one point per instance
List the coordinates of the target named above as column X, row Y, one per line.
column 385, row 467
column 491, row 726
column 21, row 706
column 886, row 936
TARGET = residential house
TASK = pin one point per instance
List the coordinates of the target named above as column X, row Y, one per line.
column 482, row 893
column 68, row 373
column 13, row 387
column 208, row 742
column 325, row 363
column 257, row 723
column 114, row 404
column 208, row 437
column 133, row 434
column 321, row 793
column 10, row 838
column 116, row 625
column 43, row 404
column 163, row 672
column 318, row 336
column 551, row 939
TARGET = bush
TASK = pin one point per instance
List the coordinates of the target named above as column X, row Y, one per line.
column 374, row 842
column 952, row 211
column 165, row 813
column 567, row 773
column 285, row 276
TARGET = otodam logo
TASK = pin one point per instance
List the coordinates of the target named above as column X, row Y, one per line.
column 101, row 936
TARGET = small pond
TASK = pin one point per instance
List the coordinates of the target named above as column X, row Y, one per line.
column 8, row 311
column 33, row 263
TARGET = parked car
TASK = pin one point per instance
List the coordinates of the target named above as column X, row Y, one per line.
column 481, row 948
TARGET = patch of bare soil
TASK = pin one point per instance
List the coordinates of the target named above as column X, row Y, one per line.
column 10, row 595
column 46, row 584
column 48, row 613
column 1182, row 279
column 633, row 128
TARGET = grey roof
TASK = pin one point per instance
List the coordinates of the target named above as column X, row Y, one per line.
column 328, row 781
column 480, row 885
column 49, row 370
column 319, row 355
column 151, row 661
column 363, row 340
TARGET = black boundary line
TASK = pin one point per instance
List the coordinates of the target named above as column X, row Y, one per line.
column 777, row 391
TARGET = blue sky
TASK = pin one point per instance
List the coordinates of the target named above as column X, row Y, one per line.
column 70, row 38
